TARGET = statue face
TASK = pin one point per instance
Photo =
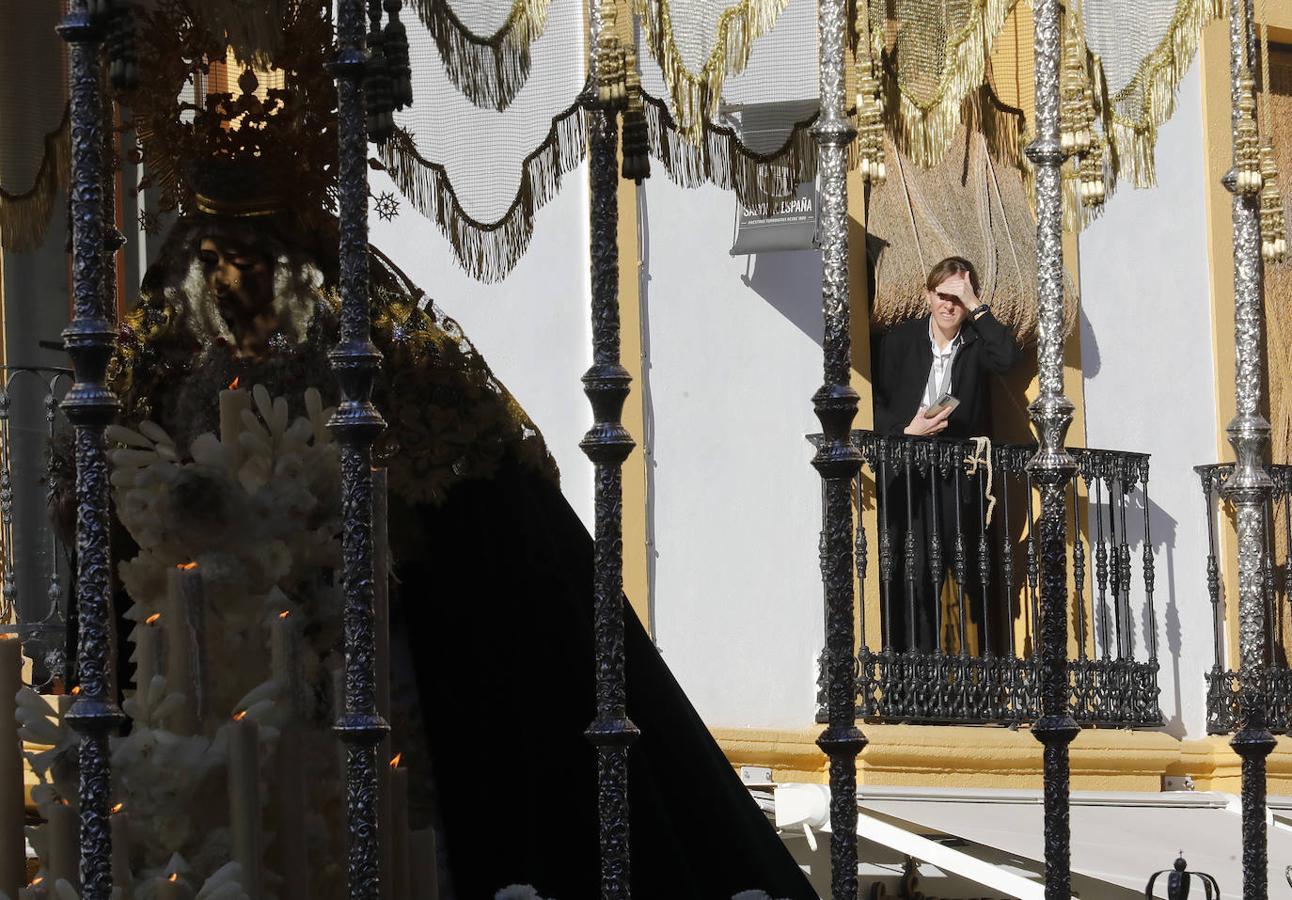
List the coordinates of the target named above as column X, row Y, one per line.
column 241, row 277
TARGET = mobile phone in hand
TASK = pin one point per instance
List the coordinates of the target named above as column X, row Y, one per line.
column 946, row 401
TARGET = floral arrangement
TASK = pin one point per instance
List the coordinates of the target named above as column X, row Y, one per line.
column 236, row 616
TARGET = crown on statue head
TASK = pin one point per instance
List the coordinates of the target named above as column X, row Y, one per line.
column 263, row 145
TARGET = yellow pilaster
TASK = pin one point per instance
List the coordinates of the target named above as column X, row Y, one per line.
column 636, row 585
column 1213, row 60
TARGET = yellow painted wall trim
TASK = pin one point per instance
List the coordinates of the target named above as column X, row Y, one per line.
column 983, row 757
column 1214, row 766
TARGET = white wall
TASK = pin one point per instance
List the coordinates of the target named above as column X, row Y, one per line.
column 533, row 328
column 736, row 510
column 1146, row 348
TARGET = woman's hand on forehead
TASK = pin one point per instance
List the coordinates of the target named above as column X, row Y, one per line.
column 955, row 287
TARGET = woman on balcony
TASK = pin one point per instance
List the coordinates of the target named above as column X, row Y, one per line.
column 931, row 379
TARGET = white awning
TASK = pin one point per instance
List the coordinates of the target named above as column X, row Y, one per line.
column 1118, row 839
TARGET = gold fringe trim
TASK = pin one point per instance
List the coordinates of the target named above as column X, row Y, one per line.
column 489, row 70
column 488, row 251
column 757, row 179
column 924, row 131
column 1132, row 140
column 25, row 216
column 761, row 179
column 696, row 95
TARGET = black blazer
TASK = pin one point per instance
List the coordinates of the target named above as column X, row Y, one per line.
column 900, row 367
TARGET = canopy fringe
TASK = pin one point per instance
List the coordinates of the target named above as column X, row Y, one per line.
column 489, row 70
column 488, row 251
column 696, row 95
column 1132, row 140
column 757, row 179
column 25, row 216
column 925, row 130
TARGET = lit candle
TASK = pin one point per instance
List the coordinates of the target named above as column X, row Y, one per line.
column 170, row 888
column 120, row 823
column 285, row 657
column 183, row 601
column 147, row 637
column 401, row 886
column 244, row 800
column 64, row 861
column 426, row 868
column 13, row 863
column 232, row 402
column 37, row 890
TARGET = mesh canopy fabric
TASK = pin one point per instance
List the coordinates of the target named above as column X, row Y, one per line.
column 755, row 140
column 484, row 46
column 697, row 44
column 34, row 156
column 480, row 172
column 934, row 56
column 1141, row 50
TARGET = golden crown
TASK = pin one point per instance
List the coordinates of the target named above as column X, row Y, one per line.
column 263, row 144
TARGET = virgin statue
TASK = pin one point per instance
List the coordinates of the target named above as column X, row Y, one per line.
column 224, row 477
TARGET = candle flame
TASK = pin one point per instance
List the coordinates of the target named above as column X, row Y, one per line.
column 118, row 807
column 394, row 763
column 152, row 620
column 76, row 690
column 239, row 715
column 284, row 614
column 233, row 385
column 39, row 879
column 174, row 877
column 187, row 566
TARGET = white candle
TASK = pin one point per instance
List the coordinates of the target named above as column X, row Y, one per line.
column 170, row 888
column 121, row 877
column 426, row 868
column 401, row 885
column 182, row 591
column 232, row 403
column 13, row 863
column 285, row 656
column 289, row 800
column 244, row 801
column 64, row 845
column 147, row 637
column 381, row 635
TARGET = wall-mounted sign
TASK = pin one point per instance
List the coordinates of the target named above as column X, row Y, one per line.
column 791, row 225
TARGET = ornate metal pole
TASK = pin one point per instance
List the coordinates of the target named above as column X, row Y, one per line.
column 1052, row 467
column 607, row 444
column 90, row 407
column 1249, row 434
column 356, row 424
column 837, row 459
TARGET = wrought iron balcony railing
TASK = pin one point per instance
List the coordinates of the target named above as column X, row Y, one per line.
column 1222, row 680
column 949, row 617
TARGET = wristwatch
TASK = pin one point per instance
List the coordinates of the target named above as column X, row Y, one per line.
column 977, row 310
